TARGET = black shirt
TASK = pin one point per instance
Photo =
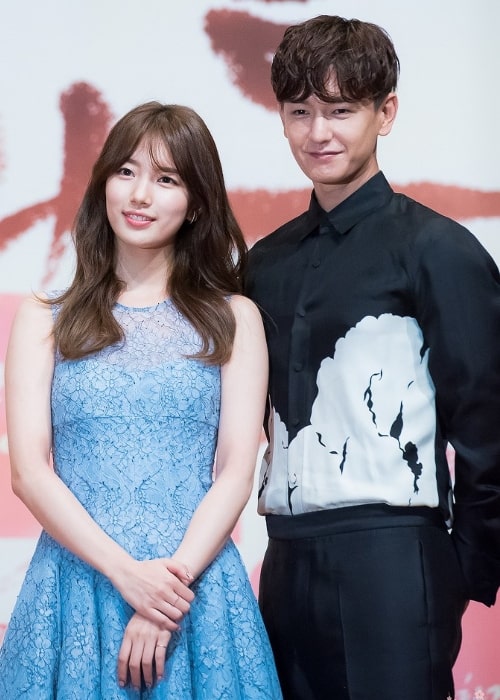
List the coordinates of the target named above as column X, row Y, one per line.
column 383, row 324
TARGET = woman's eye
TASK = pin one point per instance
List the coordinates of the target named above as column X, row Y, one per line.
column 167, row 180
column 125, row 171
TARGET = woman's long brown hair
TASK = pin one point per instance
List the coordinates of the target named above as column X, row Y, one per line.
column 209, row 254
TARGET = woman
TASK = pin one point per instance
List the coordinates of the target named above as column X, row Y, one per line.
column 148, row 368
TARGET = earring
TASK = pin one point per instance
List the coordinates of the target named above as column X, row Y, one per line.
column 193, row 218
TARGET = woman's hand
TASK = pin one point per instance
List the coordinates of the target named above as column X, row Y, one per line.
column 157, row 589
column 142, row 653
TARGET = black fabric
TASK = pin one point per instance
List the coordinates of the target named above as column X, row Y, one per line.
column 350, row 518
column 364, row 614
column 381, row 253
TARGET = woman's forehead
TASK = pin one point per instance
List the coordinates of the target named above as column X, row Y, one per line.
column 155, row 148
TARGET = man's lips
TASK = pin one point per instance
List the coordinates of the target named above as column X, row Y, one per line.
column 322, row 154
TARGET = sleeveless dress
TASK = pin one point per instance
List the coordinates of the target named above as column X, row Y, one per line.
column 134, row 438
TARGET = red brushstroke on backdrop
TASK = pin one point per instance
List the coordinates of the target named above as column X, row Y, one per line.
column 260, row 211
column 247, row 44
column 87, row 120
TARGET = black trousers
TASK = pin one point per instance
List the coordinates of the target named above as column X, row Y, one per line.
column 363, row 603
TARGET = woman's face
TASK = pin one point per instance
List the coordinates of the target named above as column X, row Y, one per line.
column 146, row 205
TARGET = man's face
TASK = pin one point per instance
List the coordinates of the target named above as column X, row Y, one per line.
column 334, row 143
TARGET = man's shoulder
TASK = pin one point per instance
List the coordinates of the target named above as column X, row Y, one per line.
column 422, row 225
column 420, row 215
column 434, row 236
column 267, row 258
column 287, row 232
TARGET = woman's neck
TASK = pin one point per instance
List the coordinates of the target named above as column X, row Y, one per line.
column 145, row 279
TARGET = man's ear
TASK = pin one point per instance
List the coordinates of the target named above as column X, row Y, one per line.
column 388, row 110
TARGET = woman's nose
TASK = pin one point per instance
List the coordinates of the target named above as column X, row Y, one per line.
column 141, row 192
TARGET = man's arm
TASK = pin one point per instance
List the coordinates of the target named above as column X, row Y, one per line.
column 458, row 308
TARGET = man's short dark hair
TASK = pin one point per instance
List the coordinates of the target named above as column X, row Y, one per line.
column 359, row 55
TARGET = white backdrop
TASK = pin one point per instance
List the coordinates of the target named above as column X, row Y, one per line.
column 68, row 70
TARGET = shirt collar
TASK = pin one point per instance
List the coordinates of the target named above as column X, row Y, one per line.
column 373, row 195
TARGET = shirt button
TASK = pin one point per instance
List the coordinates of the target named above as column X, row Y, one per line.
column 298, row 367
column 316, row 263
column 301, row 313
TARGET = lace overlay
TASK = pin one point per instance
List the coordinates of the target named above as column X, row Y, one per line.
column 134, row 436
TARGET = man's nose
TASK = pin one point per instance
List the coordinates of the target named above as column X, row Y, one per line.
column 321, row 129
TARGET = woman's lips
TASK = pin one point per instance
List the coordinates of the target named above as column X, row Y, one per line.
column 136, row 219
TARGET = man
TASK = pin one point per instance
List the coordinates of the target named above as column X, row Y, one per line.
column 383, row 326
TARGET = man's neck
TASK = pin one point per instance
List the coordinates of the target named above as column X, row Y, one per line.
column 330, row 196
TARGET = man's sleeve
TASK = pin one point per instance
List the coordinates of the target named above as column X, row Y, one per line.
column 458, row 308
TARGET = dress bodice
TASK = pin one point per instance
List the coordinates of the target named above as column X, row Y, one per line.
column 135, row 425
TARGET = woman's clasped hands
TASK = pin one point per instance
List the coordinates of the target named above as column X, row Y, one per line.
column 158, row 590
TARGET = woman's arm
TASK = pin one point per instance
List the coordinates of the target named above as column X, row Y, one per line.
column 243, row 391
column 148, row 586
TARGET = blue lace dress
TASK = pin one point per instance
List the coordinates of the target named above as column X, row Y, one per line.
column 134, row 436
